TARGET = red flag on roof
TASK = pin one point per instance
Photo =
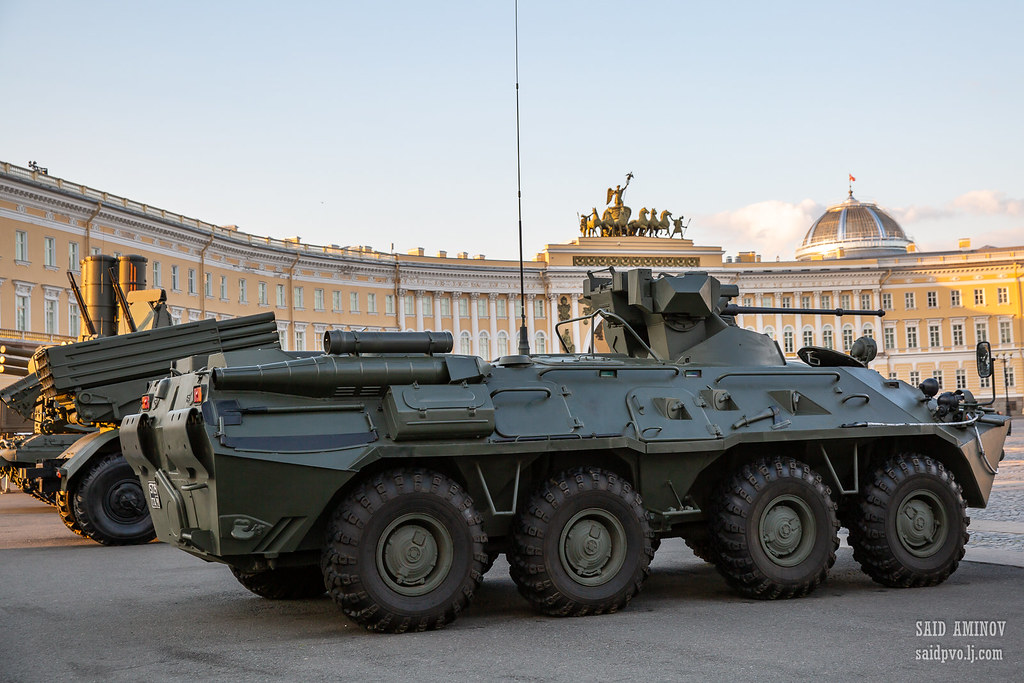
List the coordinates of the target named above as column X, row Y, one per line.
column 852, row 179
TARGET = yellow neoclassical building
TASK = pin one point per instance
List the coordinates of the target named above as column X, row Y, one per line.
column 855, row 256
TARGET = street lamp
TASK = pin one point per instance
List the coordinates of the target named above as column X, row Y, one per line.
column 1006, row 386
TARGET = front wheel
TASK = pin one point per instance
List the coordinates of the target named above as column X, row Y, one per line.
column 583, row 544
column 774, row 529
column 110, row 506
column 405, row 552
column 909, row 526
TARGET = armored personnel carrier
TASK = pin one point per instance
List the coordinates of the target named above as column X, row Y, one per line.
column 389, row 472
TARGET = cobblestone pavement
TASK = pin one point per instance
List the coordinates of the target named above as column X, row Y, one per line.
column 1001, row 524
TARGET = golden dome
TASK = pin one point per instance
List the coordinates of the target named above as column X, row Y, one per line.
column 853, row 229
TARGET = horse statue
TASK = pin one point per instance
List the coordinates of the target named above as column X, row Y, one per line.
column 615, row 226
column 594, row 224
column 639, row 226
column 661, row 223
column 678, row 227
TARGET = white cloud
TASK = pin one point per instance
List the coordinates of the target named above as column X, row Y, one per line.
column 771, row 228
column 975, row 202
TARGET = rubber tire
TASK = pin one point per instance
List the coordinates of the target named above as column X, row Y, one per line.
column 876, row 545
column 285, row 583
column 66, row 511
column 703, row 548
column 91, row 507
column 536, row 565
column 736, row 514
column 349, row 561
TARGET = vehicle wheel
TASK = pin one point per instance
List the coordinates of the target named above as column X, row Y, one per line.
column 911, row 523
column 284, row 583
column 110, row 505
column 702, row 548
column 67, row 513
column 774, row 529
column 582, row 545
column 405, row 552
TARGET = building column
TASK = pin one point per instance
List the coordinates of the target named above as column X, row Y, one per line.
column 574, row 312
column 419, row 310
column 492, row 301
column 438, row 325
column 474, row 322
column 456, row 322
column 530, row 324
column 553, row 343
column 401, row 309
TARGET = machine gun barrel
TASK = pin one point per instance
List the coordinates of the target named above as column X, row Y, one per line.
column 733, row 309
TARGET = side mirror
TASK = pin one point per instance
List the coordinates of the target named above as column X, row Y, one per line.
column 985, row 362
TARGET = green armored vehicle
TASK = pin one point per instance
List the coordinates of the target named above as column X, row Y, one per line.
column 390, row 472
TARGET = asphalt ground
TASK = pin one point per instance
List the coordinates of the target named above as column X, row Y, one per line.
column 73, row 610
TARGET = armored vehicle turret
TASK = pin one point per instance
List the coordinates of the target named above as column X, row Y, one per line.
column 389, row 472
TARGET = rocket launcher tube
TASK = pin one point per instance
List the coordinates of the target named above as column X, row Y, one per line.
column 340, row 341
column 323, row 375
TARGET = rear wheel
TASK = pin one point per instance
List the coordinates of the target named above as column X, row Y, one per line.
column 405, row 552
column 910, row 525
column 284, row 583
column 774, row 529
column 583, row 544
column 67, row 512
column 110, row 505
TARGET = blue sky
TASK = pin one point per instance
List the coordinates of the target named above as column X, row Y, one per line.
column 394, row 122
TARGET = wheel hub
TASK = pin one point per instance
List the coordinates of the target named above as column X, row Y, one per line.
column 921, row 523
column 125, row 502
column 787, row 530
column 592, row 547
column 414, row 554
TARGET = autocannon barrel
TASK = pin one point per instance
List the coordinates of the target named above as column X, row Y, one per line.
column 323, row 375
column 733, row 309
column 340, row 341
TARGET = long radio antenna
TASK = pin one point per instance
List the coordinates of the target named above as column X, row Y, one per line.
column 524, row 335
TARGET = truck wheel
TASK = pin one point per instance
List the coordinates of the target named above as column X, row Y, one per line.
column 404, row 552
column 910, row 526
column 774, row 529
column 702, row 548
column 67, row 513
column 284, row 583
column 582, row 545
column 110, row 505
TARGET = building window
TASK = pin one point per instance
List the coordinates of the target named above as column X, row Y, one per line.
column 50, row 316
column 844, row 301
column 826, row 301
column 465, row 344
column 175, row 280
column 74, row 319
column 961, row 378
column 827, row 339
column 889, row 338
column 933, row 299
column 915, row 377
column 318, row 299
column 538, row 308
column 869, row 331
column 958, row 334
column 985, row 382
column 300, row 340
column 502, row 343
column 1003, row 295
column 788, row 340
column 911, row 336
column 208, row 285
column 502, row 308
column 954, row 298
column 805, row 301
column 485, row 345
column 20, row 245
column 299, row 297
column 427, row 305
column 481, row 308
column 73, row 258
column 371, row 303
column 353, row 302
column 1005, row 334
column 766, row 300
column 808, row 336
column 336, row 301
column 938, row 377
column 446, row 307
column 191, row 280
column 865, row 301
column 980, row 332
column 1011, row 378
column 933, row 337
column 540, row 344
column 243, row 292
column 21, row 313
column 979, row 297
column 409, row 304
column 224, row 287
column 261, row 293
column 887, row 302
column 847, row 338
column 281, row 300
column 389, row 304
column 748, row 301
column 50, row 252
column 463, row 307
column 787, row 302
column 769, row 332
column 908, row 301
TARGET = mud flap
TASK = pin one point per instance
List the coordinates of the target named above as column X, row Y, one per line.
column 82, row 452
